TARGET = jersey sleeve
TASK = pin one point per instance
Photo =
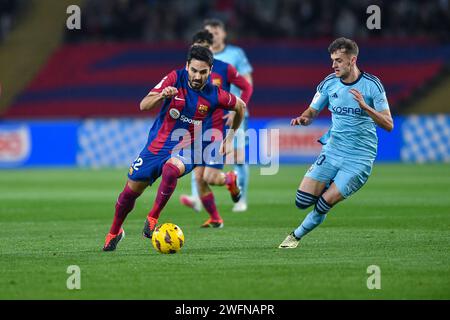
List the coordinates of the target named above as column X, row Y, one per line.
column 320, row 99
column 380, row 101
column 243, row 65
column 377, row 93
column 168, row 81
column 225, row 99
column 239, row 81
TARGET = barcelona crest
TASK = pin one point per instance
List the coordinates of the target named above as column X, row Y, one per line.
column 203, row 109
column 217, row 82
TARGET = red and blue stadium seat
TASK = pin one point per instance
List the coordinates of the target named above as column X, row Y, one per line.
column 103, row 80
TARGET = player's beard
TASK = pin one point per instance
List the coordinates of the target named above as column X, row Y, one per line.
column 196, row 84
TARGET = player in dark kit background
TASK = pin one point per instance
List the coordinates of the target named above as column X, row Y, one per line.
column 223, row 75
column 186, row 99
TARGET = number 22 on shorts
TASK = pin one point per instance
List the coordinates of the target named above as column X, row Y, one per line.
column 136, row 164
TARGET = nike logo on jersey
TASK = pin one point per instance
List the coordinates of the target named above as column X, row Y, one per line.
column 179, row 99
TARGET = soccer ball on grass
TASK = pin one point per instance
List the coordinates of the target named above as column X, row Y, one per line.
column 168, row 238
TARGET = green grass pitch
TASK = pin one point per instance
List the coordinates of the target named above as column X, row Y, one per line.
column 399, row 221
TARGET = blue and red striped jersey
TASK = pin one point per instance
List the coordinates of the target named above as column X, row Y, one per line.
column 188, row 110
column 224, row 75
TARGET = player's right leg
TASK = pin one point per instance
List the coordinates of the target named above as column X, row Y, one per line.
column 124, row 204
column 140, row 175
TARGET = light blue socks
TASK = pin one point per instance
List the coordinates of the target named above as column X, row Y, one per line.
column 194, row 190
column 312, row 220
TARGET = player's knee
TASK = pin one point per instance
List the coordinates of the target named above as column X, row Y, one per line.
column 174, row 165
column 304, row 200
column 170, row 171
column 322, row 206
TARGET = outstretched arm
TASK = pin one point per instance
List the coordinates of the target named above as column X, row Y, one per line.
column 306, row 118
column 319, row 101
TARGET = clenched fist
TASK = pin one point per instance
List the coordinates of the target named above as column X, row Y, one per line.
column 169, row 92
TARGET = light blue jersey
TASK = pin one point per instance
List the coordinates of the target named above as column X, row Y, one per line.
column 237, row 58
column 350, row 146
column 353, row 133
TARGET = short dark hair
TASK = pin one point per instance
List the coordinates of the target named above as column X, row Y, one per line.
column 214, row 22
column 203, row 36
column 348, row 45
column 200, row 53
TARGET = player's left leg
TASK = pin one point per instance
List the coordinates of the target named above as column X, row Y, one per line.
column 171, row 171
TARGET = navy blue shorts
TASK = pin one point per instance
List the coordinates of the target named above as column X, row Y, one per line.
column 148, row 166
column 211, row 156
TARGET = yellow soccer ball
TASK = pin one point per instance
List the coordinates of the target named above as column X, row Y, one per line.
column 168, row 238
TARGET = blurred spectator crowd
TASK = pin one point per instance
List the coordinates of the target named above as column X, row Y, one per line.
column 151, row 20
column 9, row 10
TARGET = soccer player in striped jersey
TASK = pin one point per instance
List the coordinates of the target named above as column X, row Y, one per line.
column 187, row 99
column 357, row 101
column 223, row 75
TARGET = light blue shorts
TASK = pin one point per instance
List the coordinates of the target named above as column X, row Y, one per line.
column 348, row 176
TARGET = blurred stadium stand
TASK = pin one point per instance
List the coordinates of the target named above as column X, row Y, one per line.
column 126, row 46
column 85, row 80
column 153, row 20
column 78, row 89
column 10, row 11
column 30, row 43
